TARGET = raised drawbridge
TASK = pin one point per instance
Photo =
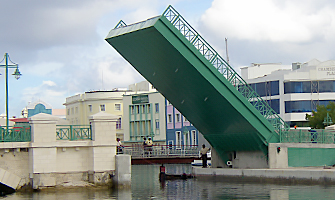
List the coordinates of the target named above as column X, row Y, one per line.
column 182, row 66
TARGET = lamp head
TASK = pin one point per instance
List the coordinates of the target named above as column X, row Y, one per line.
column 17, row 73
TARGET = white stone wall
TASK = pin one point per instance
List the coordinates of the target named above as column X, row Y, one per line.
column 250, row 160
column 73, row 159
column 15, row 162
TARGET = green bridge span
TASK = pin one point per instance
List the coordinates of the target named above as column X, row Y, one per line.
column 184, row 68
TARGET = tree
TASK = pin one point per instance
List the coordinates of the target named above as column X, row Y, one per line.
column 318, row 116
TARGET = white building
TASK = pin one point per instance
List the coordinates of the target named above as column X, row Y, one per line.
column 144, row 116
column 293, row 91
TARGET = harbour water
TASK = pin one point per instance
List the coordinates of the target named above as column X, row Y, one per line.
column 146, row 185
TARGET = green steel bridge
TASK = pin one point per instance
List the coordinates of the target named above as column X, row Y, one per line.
column 182, row 66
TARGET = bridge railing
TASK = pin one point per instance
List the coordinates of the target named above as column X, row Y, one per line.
column 73, row 132
column 139, row 151
column 224, row 68
column 320, row 136
column 15, row 134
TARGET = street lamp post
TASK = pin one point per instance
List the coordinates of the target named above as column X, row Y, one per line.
column 17, row 75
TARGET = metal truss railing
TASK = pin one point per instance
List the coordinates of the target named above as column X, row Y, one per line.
column 320, row 136
column 15, row 134
column 224, row 68
column 120, row 24
column 138, row 151
column 73, row 132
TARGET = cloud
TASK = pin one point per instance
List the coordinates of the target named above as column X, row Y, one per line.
column 271, row 20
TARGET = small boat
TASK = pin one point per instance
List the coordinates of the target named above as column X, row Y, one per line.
column 163, row 176
column 184, row 176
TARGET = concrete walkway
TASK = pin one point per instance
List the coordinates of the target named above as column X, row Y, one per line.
column 310, row 175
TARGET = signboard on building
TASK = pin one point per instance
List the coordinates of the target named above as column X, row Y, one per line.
column 140, row 99
column 326, row 72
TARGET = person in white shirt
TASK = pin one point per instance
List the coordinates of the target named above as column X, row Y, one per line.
column 203, row 152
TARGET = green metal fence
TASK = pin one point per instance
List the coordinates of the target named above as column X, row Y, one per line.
column 15, row 134
column 321, row 136
column 223, row 67
column 73, row 132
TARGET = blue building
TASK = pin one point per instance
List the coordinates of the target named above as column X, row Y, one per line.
column 179, row 131
column 37, row 107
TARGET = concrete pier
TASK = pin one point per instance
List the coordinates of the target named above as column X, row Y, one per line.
column 122, row 178
column 311, row 175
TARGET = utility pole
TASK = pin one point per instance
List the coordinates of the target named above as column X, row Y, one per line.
column 227, row 57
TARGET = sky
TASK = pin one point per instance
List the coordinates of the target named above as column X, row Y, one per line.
column 61, row 49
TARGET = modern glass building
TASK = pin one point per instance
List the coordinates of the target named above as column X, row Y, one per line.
column 293, row 90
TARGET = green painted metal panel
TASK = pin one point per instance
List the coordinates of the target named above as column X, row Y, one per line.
column 177, row 70
column 310, row 157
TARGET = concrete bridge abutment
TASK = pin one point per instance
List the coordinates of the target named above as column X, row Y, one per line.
column 47, row 161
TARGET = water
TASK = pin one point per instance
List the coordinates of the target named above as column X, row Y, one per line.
column 145, row 185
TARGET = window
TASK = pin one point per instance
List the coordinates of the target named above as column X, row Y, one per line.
column 269, row 88
column 157, row 123
column 149, row 108
column 132, row 108
column 90, row 108
column 72, row 112
column 137, row 109
column 118, row 123
column 178, row 138
column 304, row 106
column 194, row 137
column 178, row 117
column 118, row 107
column 76, row 109
column 169, row 118
column 185, row 119
column 274, row 88
column 143, row 108
column 273, row 103
column 68, row 111
column 297, row 106
column 102, row 107
column 187, row 138
column 297, row 87
column 156, row 107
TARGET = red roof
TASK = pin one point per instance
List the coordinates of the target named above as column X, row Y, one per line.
column 19, row 120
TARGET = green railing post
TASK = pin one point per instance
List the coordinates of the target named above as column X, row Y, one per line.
column 71, row 136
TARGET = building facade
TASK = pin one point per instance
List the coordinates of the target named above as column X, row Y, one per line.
column 144, row 116
column 292, row 91
column 179, row 131
column 38, row 107
column 79, row 107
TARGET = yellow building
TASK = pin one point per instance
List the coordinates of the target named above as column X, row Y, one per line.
column 80, row 106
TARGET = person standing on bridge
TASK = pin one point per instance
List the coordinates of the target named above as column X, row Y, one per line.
column 203, row 152
column 149, row 144
column 119, row 146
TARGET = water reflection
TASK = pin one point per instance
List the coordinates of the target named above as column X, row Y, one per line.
column 146, row 185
